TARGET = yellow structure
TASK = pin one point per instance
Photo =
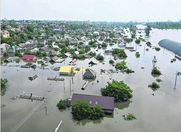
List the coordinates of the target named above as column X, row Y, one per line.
column 5, row 34
column 82, row 69
column 66, row 70
column 75, row 71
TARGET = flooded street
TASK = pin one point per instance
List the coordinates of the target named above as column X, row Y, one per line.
column 159, row 113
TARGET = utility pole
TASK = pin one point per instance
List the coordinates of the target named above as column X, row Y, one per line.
column 46, row 107
column 64, row 85
column 72, row 78
column 82, row 72
column 154, row 61
column 177, row 74
column 70, row 88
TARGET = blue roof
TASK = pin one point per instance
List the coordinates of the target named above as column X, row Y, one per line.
column 56, row 30
column 171, row 45
column 121, row 44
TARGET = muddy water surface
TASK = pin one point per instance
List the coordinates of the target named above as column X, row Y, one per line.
column 160, row 112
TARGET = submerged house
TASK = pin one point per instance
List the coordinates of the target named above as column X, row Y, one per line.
column 89, row 74
column 106, row 103
column 66, row 70
column 4, row 47
column 48, row 50
column 55, row 59
column 5, row 34
column 122, row 44
column 173, row 46
column 11, row 59
column 41, row 41
column 56, row 30
column 92, row 62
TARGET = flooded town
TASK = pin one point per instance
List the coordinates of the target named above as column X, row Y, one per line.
column 72, row 76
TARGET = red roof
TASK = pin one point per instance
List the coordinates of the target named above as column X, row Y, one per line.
column 28, row 57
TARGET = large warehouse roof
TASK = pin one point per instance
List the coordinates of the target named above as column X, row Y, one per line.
column 171, row 45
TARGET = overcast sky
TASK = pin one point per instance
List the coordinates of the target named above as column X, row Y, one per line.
column 94, row 10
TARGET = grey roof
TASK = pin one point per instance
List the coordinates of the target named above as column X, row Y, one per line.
column 11, row 59
column 41, row 40
column 89, row 73
column 57, row 60
column 171, row 45
column 47, row 49
column 106, row 103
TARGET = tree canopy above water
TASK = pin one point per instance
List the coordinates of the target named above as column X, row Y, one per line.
column 117, row 89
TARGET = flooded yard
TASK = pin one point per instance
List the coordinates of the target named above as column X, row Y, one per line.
column 159, row 112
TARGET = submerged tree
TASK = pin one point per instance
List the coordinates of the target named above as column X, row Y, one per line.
column 117, row 89
column 3, row 86
column 81, row 110
column 63, row 104
column 155, row 71
column 120, row 52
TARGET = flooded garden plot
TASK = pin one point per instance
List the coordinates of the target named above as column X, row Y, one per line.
column 160, row 112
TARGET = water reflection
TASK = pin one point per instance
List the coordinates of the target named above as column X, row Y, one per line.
column 3, row 92
column 122, row 105
column 86, row 121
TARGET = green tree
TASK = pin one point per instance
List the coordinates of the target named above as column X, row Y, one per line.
column 60, row 55
column 81, row 109
column 3, row 86
column 87, row 48
column 96, row 112
column 17, row 53
column 92, row 53
column 120, row 52
column 100, row 58
column 3, row 83
column 121, row 65
column 7, row 40
column 30, row 28
column 111, row 61
column 63, row 104
column 3, row 26
column 137, row 41
column 81, row 51
column 117, row 89
column 155, row 71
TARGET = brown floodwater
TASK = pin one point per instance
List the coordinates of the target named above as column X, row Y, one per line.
column 160, row 113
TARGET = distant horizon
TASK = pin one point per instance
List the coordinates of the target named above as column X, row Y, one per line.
column 87, row 20
column 93, row 10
